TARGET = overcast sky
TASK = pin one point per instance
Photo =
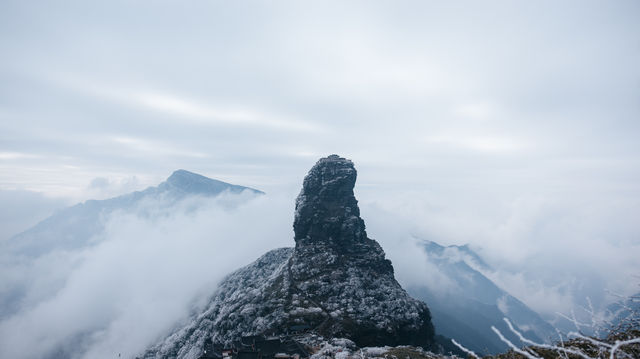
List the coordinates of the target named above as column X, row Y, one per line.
column 514, row 93
column 511, row 125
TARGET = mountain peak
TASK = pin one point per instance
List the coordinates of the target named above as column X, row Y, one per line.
column 180, row 175
column 336, row 282
column 326, row 208
column 193, row 183
column 72, row 227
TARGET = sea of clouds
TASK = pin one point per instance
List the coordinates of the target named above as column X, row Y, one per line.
column 154, row 266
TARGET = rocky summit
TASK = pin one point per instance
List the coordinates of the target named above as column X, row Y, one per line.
column 336, row 282
column 336, row 266
column 326, row 209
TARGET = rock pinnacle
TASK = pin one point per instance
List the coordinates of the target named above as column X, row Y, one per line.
column 326, row 208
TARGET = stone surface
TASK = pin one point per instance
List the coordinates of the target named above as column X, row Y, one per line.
column 326, row 208
column 335, row 282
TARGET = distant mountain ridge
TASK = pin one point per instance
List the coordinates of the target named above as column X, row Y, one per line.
column 80, row 226
column 467, row 311
column 73, row 226
column 182, row 181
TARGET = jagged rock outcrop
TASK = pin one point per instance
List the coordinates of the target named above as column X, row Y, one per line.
column 336, row 281
column 337, row 266
column 326, row 208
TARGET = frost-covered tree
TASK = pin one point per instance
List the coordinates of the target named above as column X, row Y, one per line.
column 621, row 340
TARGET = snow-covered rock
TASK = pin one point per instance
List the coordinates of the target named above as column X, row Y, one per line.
column 335, row 282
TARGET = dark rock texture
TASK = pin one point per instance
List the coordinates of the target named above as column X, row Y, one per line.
column 335, row 282
column 337, row 266
column 326, row 209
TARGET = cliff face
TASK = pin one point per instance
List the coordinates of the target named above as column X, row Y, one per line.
column 336, row 281
column 326, row 209
column 337, row 266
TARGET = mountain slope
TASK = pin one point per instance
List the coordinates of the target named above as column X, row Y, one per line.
column 473, row 304
column 73, row 227
column 335, row 282
column 27, row 258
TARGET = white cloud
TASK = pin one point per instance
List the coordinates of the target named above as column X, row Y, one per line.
column 17, row 156
column 512, row 127
column 155, row 148
column 551, row 250
column 489, row 144
column 143, row 275
column 481, row 111
column 412, row 266
column 153, row 265
column 23, row 209
column 109, row 187
column 190, row 110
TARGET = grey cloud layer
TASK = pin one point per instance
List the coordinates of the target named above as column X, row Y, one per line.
column 135, row 87
column 509, row 125
column 152, row 265
column 132, row 283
